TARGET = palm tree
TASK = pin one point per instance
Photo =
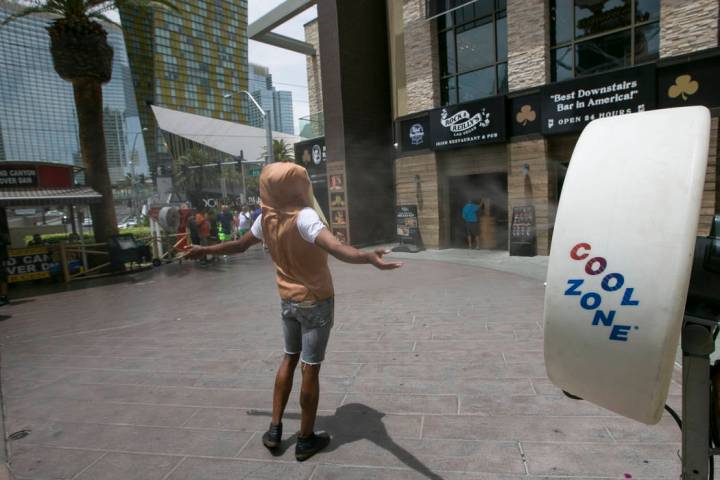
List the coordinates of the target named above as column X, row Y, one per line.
column 195, row 170
column 189, row 175
column 82, row 56
column 282, row 151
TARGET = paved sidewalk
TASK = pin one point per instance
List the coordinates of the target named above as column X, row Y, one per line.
column 532, row 267
column 434, row 371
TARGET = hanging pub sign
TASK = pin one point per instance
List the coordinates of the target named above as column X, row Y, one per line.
column 473, row 123
column 312, row 155
column 415, row 134
column 692, row 83
column 569, row 106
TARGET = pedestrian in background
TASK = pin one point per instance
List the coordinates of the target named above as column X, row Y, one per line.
column 225, row 224
column 203, row 232
column 470, row 217
column 245, row 220
column 256, row 211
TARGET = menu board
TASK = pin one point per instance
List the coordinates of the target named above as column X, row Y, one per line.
column 406, row 223
column 523, row 234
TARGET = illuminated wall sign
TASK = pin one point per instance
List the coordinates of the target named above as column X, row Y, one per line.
column 16, row 176
column 569, row 106
column 32, row 174
column 473, row 123
column 415, row 134
column 688, row 84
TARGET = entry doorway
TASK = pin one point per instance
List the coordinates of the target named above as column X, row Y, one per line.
column 492, row 190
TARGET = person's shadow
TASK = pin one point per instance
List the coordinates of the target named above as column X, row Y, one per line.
column 353, row 422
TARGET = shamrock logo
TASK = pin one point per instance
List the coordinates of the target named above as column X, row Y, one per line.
column 684, row 86
column 525, row 115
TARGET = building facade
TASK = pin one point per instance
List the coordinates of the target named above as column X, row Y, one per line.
column 38, row 121
column 187, row 61
column 502, row 68
column 277, row 102
column 517, row 60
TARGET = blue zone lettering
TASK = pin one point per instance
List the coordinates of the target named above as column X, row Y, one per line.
column 592, row 301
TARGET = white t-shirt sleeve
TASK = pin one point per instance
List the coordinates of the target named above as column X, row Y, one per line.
column 256, row 228
column 309, row 224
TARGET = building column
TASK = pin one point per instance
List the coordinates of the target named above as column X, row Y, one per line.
column 314, row 73
column 416, row 183
column 687, row 27
column 532, row 188
column 416, row 176
column 527, row 32
column 357, row 108
column 711, row 195
column 528, row 66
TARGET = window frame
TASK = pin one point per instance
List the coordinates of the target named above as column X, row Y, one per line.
column 632, row 27
column 454, row 27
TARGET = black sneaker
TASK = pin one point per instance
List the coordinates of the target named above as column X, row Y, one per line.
column 308, row 446
column 273, row 437
column 4, row 301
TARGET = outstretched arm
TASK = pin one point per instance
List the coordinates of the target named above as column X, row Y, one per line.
column 348, row 254
column 226, row 248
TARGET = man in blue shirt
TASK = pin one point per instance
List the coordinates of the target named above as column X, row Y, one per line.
column 470, row 216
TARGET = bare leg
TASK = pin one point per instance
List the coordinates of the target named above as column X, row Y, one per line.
column 469, row 242
column 309, row 397
column 283, row 386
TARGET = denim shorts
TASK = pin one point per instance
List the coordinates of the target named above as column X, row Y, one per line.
column 306, row 327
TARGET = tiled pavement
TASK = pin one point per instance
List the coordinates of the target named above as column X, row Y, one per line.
column 433, row 371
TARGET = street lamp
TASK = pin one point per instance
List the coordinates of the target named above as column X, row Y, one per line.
column 266, row 117
column 132, row 151
column 130, row 162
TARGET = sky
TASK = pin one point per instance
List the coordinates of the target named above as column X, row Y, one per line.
column 287, row 68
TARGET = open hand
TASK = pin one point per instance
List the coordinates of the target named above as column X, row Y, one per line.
column 194, row 253
column 376, row 259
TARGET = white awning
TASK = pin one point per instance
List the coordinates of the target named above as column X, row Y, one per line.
column 23, row 197
column 227, row 137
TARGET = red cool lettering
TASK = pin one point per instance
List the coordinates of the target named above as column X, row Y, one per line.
column 574, row 252
column 601, row 266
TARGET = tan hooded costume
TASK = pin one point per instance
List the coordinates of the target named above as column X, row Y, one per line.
column 302, row 270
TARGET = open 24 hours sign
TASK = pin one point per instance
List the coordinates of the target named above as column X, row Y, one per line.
column 471, row 123
column 25, row 264
column 568, row 106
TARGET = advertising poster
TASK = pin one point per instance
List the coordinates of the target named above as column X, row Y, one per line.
column 25, row 264
column 406, row 224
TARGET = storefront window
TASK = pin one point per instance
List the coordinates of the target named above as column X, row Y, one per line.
column 473, row 51
column 591, row 36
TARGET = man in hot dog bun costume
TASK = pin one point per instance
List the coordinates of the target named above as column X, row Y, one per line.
column 296, row 235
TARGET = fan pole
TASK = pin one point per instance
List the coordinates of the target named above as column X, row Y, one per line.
column 697, row 345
